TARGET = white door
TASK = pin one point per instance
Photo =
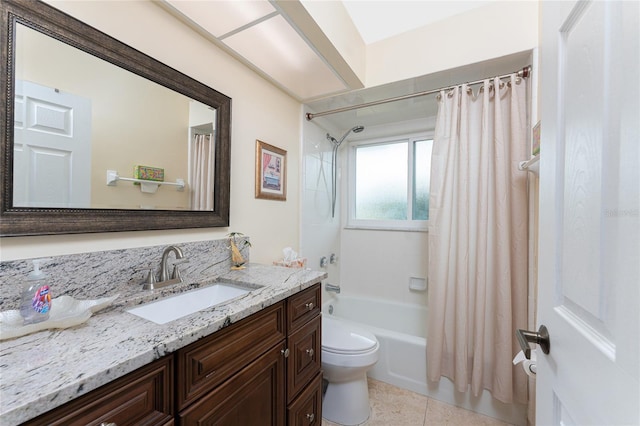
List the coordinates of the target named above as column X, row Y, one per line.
column 52, row 148
column 589, row 258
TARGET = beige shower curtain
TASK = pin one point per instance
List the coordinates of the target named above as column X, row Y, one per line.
column 478, row 239
column 202, row 173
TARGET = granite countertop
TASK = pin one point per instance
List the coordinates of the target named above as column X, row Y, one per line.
column 44, row 370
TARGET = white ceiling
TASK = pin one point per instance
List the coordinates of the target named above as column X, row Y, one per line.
column 378, row 20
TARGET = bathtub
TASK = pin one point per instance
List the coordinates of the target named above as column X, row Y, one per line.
column 401, row 329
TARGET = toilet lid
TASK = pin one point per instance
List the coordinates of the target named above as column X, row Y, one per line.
column 339, row 337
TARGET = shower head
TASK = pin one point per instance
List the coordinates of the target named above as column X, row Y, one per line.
column 356, row 129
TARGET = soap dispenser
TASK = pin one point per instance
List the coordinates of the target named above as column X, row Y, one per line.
column 36, row 295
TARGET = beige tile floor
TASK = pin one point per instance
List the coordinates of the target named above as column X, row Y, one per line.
column 392, row 406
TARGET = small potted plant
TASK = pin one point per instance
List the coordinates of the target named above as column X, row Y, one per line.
column 237, row 261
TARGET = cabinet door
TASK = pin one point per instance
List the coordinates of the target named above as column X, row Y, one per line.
column 255, row 396
column 304, row 357
column 207, row 363
column 144, row 397
column 306, row 410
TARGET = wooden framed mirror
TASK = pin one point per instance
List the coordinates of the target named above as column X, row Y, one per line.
column 49, row 188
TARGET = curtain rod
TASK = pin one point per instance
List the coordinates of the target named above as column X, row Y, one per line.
column 523, row 73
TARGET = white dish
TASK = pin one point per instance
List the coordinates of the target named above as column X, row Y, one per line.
column 65, row 312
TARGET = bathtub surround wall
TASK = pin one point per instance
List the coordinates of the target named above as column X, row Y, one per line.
column 378, row 264
column 320, row 234
column 107, row 273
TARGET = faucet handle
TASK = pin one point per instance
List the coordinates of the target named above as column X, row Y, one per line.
column 176, row 271
column 150, row 278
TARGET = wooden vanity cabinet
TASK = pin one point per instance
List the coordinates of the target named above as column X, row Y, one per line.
column 262, row 370
column 143, row 397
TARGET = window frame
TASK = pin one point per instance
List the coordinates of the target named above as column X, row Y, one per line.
column 414, row 225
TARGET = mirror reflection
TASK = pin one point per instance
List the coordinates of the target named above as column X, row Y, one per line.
column 78, row 117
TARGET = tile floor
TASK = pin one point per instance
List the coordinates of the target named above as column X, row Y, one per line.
column 392, row 406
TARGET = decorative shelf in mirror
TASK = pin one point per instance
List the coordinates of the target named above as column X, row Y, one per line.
column 146, row 186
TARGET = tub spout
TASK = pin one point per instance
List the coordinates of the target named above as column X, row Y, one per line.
column 331, row 287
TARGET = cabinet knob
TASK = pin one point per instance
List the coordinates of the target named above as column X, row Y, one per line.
column 285, row 352
column 311, row 417
column 309, row 305
column 310, row 352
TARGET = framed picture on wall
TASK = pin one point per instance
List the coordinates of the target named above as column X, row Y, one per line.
column 271, row 172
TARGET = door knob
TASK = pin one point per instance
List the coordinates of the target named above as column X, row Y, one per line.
column 541, row 338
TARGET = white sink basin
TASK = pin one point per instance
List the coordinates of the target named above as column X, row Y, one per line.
column 174, row 307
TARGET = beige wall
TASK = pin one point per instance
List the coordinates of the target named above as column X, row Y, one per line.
column 488, row 32
column 259, row 111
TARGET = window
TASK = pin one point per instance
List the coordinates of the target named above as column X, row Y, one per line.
column 389, row 183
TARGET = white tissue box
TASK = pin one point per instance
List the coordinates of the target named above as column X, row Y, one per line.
column 300, row 262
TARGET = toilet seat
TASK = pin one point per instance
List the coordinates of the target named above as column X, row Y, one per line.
column 339, row 338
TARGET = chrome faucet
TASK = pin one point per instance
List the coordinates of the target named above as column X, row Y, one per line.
column 163, row 279
column 164, row 268
column 331, row 287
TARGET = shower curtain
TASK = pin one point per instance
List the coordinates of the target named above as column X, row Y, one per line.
column 478, row 239
column 202, row 173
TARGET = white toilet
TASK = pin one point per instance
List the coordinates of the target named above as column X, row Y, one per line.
column 348, row 352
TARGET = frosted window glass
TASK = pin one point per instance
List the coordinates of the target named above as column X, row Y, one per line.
column 381, row 182
column 421, row 178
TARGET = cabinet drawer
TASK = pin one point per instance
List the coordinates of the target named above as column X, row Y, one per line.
column 142, row 397
column 304, row 356
column 307, row 408
column 208, row 362
column 303, row 306
column 252, row 397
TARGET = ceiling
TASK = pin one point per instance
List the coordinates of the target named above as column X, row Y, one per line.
column 378, row 20
column 263, row 36
column 282, row 42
